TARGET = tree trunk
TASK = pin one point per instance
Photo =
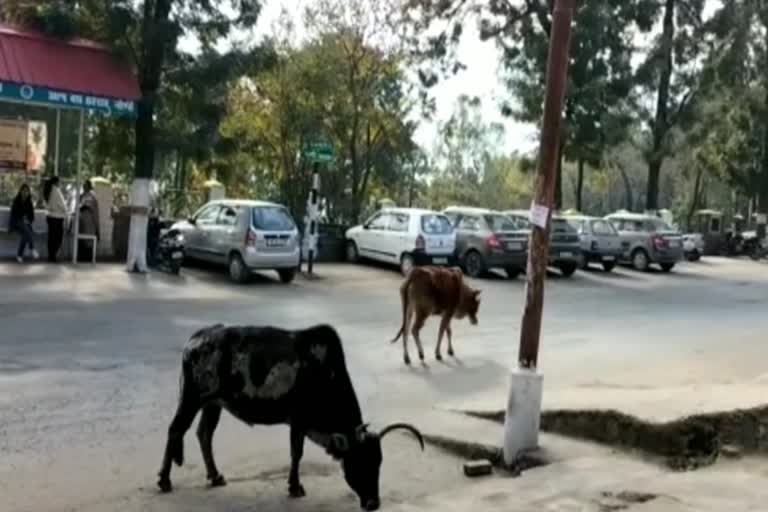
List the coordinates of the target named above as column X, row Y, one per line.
column 661, row 121
column 139, row 199
column 696, row 198
column 153, row 50
column 629, row 200
column 762, row 192
column 579, row 183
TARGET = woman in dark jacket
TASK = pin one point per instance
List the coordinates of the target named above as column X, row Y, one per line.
column 22, row 218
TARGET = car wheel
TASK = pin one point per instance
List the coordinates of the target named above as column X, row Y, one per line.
column 406, row 264
column 474, row 265
column 666, row 267
column 353, row 256
column 640, row 260
column 583, row 262
column 513, row 272
column 694, row 256
column 608, row 266
column 568, row 269
column 287, row 275
column 238, row 271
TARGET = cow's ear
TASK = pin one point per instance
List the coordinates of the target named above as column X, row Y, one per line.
column 339, row 442
column 477, row 293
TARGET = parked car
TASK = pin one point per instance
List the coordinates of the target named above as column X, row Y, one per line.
column 647, row 240
column 600, row 242
column 487, row 239
column 404, row 237
column 564, row 245
column 693, row 246
column 244, row 235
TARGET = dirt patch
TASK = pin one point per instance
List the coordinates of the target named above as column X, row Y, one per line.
column 684, row 444
column 610, row 502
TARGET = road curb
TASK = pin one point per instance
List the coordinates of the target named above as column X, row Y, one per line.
column 687, row 443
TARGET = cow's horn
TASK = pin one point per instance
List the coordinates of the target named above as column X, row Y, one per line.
column 404, row 426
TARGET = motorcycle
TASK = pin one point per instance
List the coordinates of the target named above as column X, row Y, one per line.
column 169, row 253
column 165, row 247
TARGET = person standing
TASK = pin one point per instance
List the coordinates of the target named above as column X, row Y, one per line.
column 89, row 221
column 57, row 214
column 22, row 218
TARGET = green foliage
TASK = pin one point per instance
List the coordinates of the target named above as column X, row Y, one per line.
column 338, row 86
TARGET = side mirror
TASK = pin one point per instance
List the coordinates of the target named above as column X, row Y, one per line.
column 366, row 226
column 192, row 220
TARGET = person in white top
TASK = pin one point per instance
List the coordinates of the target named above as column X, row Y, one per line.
column 57, row 214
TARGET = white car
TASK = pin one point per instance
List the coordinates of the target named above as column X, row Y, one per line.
column 404, row 237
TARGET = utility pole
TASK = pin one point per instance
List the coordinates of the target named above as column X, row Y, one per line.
column 521, row 426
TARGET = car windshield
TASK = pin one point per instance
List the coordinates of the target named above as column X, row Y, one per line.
column 436, row 225
column 272, row 218
column 501, row 223
column 562, row 226
column 660, row 225
column 601, row 227
column 576, row 224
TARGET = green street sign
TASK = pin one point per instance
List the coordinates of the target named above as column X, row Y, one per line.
column 319, row 152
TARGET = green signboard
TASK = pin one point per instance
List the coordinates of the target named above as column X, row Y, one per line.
column 319, row 152
column 54, row 98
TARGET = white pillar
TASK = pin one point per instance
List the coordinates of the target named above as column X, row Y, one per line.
column 102, row 189
column 137, row 234
column 521, row 424
column 76, row 227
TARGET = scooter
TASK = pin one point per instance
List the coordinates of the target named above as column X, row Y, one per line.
column 165, row 247
column 169, row 252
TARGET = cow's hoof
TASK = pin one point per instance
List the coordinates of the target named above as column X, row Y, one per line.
column 450, row 352
column 165, row 485
column 407, row 360
column 297, row 491
column 218, row 481
column 421, row 356
column 439, row 357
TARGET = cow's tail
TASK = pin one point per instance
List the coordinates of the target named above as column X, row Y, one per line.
column 404, row 301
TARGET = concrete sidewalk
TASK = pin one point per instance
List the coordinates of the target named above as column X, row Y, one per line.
column 601, row 484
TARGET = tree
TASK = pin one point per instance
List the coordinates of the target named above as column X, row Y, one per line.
column 339, row 86
column 148, row 33
column 471, row 171
column 600, row 77
column 671, row 71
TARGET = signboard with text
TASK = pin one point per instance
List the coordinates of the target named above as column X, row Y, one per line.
column 319, row 152
column 13, row 145
column 63, row 99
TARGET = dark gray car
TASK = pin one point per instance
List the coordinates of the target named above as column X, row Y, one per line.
column 487, row 239
column 647, row 239
column 564, row 243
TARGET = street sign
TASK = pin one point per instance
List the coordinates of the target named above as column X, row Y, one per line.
column 319, row 152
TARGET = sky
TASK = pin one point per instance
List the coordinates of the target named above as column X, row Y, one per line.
column 480, row 78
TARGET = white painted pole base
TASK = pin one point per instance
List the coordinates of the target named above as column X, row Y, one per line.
column 521, row 423
column 137, row 235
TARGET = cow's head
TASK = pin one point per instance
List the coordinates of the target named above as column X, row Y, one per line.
column 469, row 305
column 361, row 461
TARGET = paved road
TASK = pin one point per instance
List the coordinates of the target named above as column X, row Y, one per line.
column 89, row 369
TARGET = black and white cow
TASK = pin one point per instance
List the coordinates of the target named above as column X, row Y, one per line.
column 269, row 376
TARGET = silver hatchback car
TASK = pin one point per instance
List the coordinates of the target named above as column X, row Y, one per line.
column 244, row 235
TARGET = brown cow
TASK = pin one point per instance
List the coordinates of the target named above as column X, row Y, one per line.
column 438, row 291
